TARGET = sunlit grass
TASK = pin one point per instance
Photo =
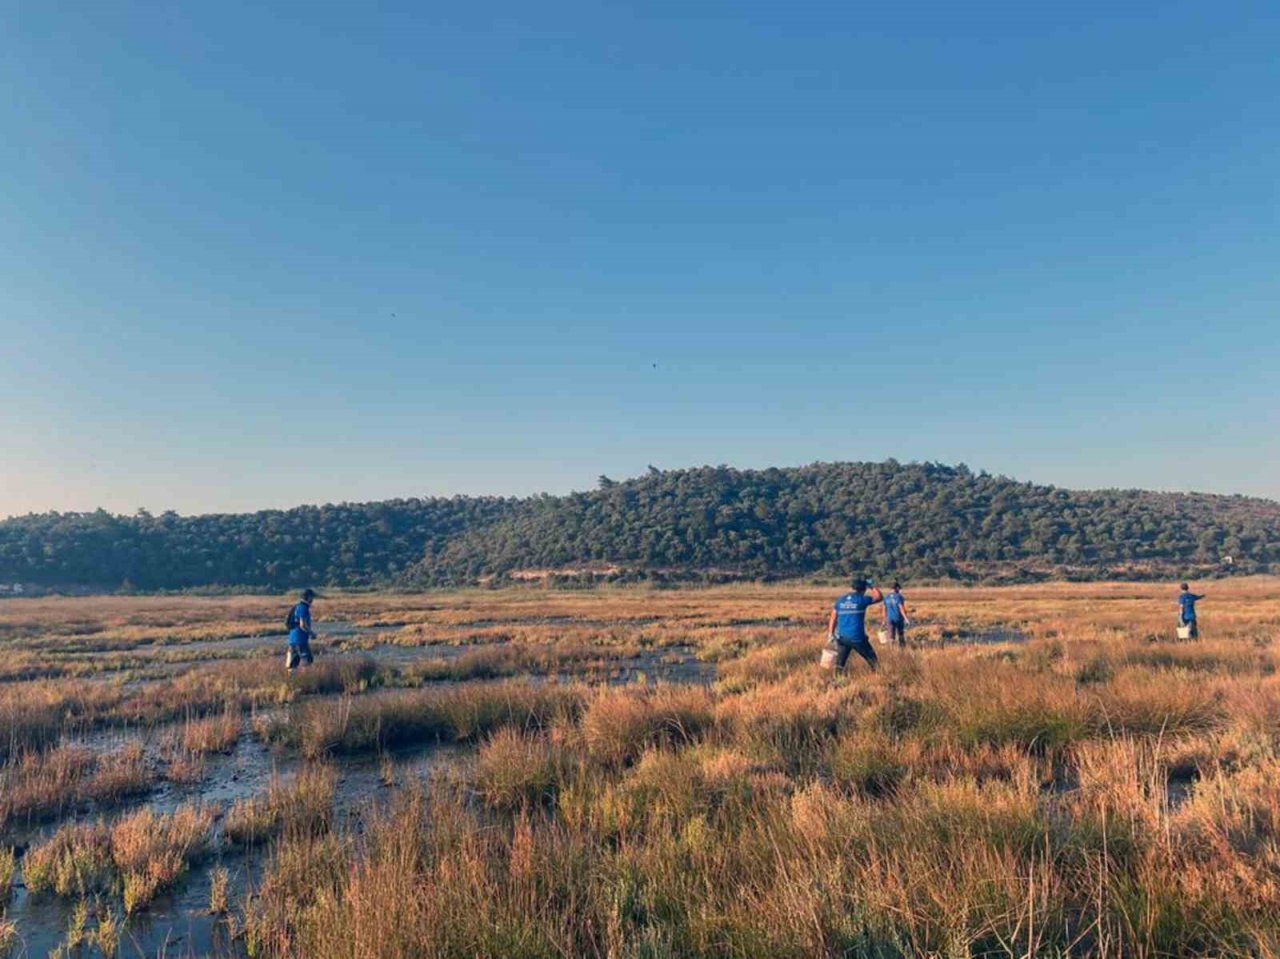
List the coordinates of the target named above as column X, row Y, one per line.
column 39, row 786
column 1065, row 782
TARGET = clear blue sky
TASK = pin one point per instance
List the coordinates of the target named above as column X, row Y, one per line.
column 260, row 254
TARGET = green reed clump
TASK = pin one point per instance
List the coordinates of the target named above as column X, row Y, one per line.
column 8, row 860
column 74, row 861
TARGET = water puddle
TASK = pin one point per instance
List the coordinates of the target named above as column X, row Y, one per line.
column 179, row 923
column 983, row 637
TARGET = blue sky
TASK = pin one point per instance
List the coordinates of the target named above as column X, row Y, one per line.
column 255, row 255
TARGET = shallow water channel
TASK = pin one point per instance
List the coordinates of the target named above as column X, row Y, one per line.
column 178, row 922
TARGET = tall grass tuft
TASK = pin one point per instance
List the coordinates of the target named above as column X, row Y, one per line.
column 618, row 726
column 515, row 770
column 460, row 714
column 152, row 850
column 7, row 863
column 302, row 805
column 74, row 861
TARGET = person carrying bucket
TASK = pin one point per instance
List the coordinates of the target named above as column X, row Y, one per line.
column 1187, row 613
column 847, row 627
column 300, row 632
column 895, row 615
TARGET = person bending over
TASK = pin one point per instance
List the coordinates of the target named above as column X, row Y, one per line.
column 848, row 624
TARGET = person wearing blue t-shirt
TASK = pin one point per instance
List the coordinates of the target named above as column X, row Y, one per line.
column 301, row 633
column 847, row 627
column 895, row 615
column 1187, row 610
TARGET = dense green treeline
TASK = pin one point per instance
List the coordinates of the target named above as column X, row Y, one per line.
column 911, row 520
column 351, row 545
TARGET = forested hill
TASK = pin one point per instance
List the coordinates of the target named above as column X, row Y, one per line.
column 908, row 520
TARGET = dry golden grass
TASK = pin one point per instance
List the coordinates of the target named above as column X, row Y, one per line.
column 1086, row 791
column 185, row 769
column 301, row 805
column 620, row 725
column 74, row 861
column 40, row 786
column 7, row 862
column 152, row 850
column 213, row 734
column 462, row 713
column 141, row 855
column 516, row 769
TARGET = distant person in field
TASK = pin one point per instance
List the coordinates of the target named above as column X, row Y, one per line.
column 1187, row 610
column 895, row 615
column 848, row 624
column 300, row 633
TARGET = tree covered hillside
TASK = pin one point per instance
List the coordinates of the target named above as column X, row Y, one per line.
column 349, row 545
column 907, row 520
column 910, row 520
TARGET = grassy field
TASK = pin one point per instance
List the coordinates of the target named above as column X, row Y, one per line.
column 644, row 773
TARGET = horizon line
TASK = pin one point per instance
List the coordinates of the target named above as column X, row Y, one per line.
column 653, row 471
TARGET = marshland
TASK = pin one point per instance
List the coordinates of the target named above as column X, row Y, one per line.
column 628, row 772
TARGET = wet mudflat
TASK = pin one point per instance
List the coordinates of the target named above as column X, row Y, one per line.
column 178, row 921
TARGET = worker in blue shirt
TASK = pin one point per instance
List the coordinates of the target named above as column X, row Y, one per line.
column 1187, row 610
column 895, row 615
column 300, row 633
column 847, row 627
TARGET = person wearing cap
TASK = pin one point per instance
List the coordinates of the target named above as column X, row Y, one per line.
column 1187, row 610
column 847, row 627
column 300, row 633
column 895, row 615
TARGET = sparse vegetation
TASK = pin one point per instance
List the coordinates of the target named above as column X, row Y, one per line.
column 213, row 734
column 298, row 806
column 74, row 861
column 7, row 862
column 108, row 931
column 39, row 786
column 219, row 891
column 141, row 854
column 152, row 850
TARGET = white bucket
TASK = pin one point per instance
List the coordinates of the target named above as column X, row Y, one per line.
column 1184, row 632
column 883, row 636
column 828, row 659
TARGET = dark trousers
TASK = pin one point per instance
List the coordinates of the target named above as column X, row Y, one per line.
column 897, row 629
column 860, row 646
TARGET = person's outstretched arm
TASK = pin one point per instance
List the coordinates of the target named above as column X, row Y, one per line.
column 876, row 595
column 831, row 623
